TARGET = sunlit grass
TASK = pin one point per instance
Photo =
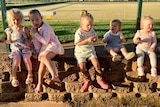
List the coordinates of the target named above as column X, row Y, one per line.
column 65, row 30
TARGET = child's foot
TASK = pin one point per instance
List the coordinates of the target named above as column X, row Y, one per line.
column 153, row 72
column 29, row 79
column 38, row 89
column 130, row 55
column 50, row 81
column 116, row 58
column 15, row 83
column 103, row 84
column 85, row 86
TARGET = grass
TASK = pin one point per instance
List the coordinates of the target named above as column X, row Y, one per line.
column 65, row 30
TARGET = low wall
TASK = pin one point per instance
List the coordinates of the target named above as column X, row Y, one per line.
column 121, row 75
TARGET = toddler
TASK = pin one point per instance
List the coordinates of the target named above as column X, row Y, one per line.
column 113, row 42
column 146, row 42
column 85, row 36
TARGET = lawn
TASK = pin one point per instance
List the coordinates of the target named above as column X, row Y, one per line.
column 65, row 22
column 65, row 30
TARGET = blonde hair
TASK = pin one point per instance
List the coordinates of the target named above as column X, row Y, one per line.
column 13, row 13
column 85, row 15
column 117, row 21
column 146, row 18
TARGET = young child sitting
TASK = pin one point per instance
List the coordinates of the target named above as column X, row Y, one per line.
column 113, row 42
column 85, row 36
column 146, row 42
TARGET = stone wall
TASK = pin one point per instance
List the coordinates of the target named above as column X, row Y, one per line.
column 121, row 75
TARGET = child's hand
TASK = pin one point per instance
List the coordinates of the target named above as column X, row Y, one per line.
column 151, row 49
column 105, row 40
column 33, row 30
column 90, row 39
column 94, row 38
column 28, row 43
column 138, row 40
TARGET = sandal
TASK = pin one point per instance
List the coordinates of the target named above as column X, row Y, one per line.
column 29, row 79
column 51, row 81
column 15, row 83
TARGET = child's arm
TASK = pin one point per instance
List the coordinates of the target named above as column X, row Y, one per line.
column 8, row 41
column 105, row 37
column 154, row 42
column 105, row 40
column 137, row 38
column 45, row 37
column 27, row 32
column 122, row 38
column 86, row 41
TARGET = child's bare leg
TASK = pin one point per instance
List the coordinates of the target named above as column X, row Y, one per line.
column 127, row 55
column 41, row 73
column 99, row 79
column 15, row 65
column 115, row 56
column 28, row 64
column 46, row 59
column 112, row 52
column 124, row 51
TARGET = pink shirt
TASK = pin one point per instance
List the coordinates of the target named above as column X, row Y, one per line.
column 48, row 39
column 149, row 39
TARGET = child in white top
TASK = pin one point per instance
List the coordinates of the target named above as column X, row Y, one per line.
column 49, row 47
column 146, row 42
column 85, row 36
column 19, row 38
column 113, row 42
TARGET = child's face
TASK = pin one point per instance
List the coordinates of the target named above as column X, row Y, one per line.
column 114, row 27
column 86, row 25
column 147, row 25
column 36, row 20
column 16, row 21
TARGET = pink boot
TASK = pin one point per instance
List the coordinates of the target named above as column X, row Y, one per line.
column 85, row 86
column 103, row 84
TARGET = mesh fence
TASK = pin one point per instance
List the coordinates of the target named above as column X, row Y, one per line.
column 46, row 1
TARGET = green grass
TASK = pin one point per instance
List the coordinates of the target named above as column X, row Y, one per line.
column 65, row 30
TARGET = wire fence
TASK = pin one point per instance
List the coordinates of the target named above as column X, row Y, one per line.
column 47, row 1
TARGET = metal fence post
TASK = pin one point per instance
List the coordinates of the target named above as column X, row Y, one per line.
column 3, row 11
column 139, row 14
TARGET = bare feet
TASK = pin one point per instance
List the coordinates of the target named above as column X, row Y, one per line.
column 38, row 89
column 52, row 80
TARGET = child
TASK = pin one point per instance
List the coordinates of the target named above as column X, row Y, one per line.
column 48, row 47
column 19, row 38
column 146, row 42
column 85, row 36
column 113, row 42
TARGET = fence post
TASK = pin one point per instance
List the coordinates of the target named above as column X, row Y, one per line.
column 139, row 14
column 3, row 11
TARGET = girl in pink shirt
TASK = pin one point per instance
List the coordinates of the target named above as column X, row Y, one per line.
column 47, row 45
column 146, row 42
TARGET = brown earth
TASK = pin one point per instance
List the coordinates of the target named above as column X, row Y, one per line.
column 29, row 104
